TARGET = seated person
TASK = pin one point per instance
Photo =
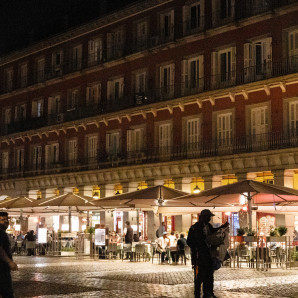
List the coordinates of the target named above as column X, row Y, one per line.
column 173, row 246
column 162, row 244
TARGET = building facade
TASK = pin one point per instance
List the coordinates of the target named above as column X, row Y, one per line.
column 181, row 93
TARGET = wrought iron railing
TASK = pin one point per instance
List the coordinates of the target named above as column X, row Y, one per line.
column 203, row 148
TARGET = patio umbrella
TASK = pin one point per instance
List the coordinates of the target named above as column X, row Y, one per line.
column 66, row 201
column 257, row 193
column 151, row 196
column 16, row 203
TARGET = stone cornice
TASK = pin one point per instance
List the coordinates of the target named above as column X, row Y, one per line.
column 238, row 164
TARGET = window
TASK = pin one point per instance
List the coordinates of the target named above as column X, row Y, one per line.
column 36, row 157
column 19, row 159
column 37, row 108
column 142, row 34
column 4, row 160
column 95, row 51
column 115, row 89
column 51, row 155
column 23, row 75
column 20, row 112
column 115, row 44
column 193, row 75
column 93, row 94
column 293, row 48
column 167, row 74
column 54, row 105
column 77, row 57
column 193, row 17
column 7, row 116
column 113, row 143
column 224, row 67
column 193, row 134
column 8, row 77
column 293, row 118
column 135, row 140
column 259, row 123
column 167, row 26
column 92, row 148
column 224, row 129
column 165, row 138
column 223, row 11
column 73, row 99
column 40, row 69
column 258, row 59
column 72, row 153
column 57, row 62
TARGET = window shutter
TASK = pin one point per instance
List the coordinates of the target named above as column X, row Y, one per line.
column 88, row 96
column 47, row 154
column 34, row 109
column 215, row 67
column 215, row 12
column 139, row 139
column 108, row 142
column 110, row 90
column 56, row 152
column 247, row 61
column 110, row 45
column 268, row 55
column 233, row 63
column 172, row 19
column 185, row 75
column 201, row 71
column 185, row 11
column 121, row 91
column 130, row 142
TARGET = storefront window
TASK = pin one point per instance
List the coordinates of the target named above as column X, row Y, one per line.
column 197, row 183
column 265, row 223
column 169, row 183
column 228, row 179
column 266, row 177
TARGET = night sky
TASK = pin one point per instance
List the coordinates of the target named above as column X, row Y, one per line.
column 25, row 21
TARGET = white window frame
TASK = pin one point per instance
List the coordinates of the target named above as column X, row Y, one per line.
column 193, row 133
column 5, row 160
column 113, row 92
column 135, row 140
column 224, row 128
column 167, row 25
column 23, row 75
column 76, row 55
column 19, row 158
column 92, row 148
column 141, row 33
column 20, row 112
column 72, row 151
column 167, row 80
column 293, row 48
column 51, row 154
column 191, row 25
column 8, row 79
column 54, row 105
column 37, row 108
column 36, row 156
column 259, row 122
column 165, row 138
column 217, row 15
column 115, row 43
column 293, row 118
column 40, row 69
column 93, row 94
column 73, row 99
column 7, row 115
column 113, row 143
column 95, row 51
column 57, row 65
column 190, row 85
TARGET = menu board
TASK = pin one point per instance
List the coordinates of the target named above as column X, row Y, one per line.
column 100, row 236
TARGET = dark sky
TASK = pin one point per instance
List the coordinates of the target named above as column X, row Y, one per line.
column 25, row 21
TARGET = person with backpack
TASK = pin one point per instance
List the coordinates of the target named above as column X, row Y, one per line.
column 203, row 239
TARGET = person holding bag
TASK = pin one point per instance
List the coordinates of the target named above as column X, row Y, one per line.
column 203, row 239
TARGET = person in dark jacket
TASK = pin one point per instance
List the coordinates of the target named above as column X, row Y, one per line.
column 201, row 254
column 6, row 262
column 128, row 236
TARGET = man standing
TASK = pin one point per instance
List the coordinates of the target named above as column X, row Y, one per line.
column 6, row 262
column 161, row 230
column 128, row 236
column 201, row 253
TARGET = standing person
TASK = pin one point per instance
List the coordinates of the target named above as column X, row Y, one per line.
column 180, row 246
column 6, row 262
column 128, row 236
column 162, row 245
column 161, row 230
column 201, row 253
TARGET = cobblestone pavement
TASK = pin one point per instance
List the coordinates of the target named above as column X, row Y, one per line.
column 70, row 277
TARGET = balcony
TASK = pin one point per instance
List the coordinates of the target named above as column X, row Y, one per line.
column 191, row 87
column 202, row 149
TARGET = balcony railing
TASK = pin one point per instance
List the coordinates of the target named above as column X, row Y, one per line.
column 202, row 149
column 191, row 87
column 243, row 9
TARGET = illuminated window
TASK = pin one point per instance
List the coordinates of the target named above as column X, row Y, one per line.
column 96, row 192
column 169, row 183
column 228, row 179
column 295, row 180
column 197, row 183
column 266, row 177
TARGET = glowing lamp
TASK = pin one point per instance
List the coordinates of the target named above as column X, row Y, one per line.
column 196, row 189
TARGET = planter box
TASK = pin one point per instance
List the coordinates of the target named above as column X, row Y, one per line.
column 250, row 238
column 68, row 253
column 294, row 264
column 276, row 239
column 238, row 238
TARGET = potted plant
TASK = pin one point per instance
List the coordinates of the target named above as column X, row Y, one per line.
column 250, row 235
column 277, row 234
column 240, row 233
column 282, row 230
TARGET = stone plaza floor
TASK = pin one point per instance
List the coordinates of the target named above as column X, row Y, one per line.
column 71, row 277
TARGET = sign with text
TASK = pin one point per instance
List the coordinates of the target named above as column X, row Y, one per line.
column 100, row 236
